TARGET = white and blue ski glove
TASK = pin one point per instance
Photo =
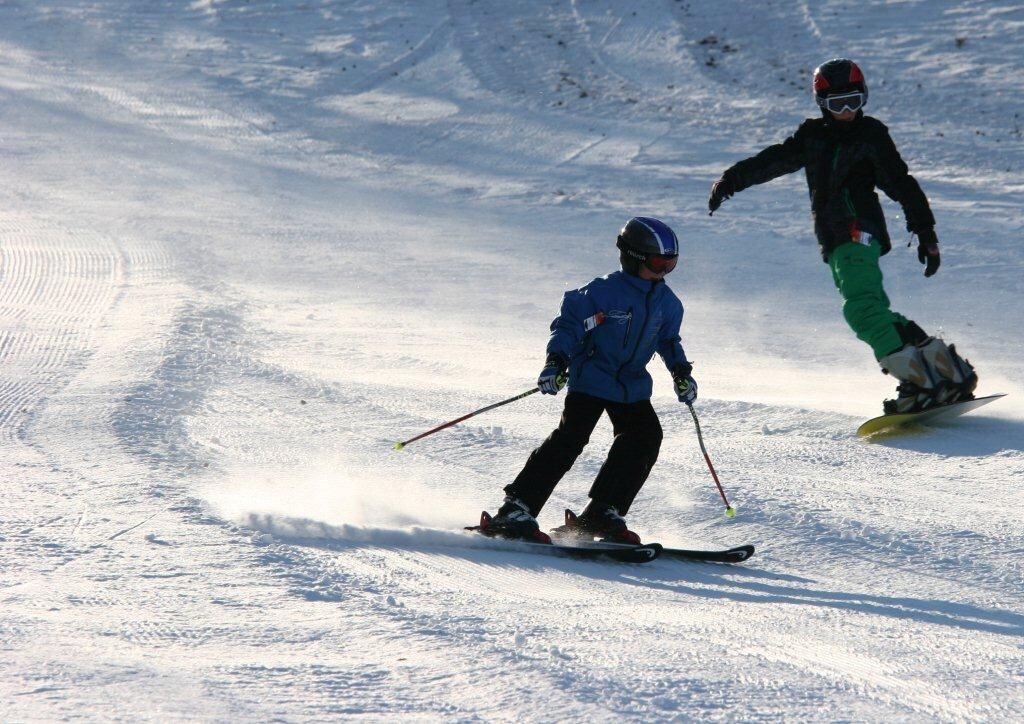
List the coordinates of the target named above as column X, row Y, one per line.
column 686, row 386
column 553, row 377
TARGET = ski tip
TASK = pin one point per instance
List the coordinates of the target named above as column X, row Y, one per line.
column 741, row 553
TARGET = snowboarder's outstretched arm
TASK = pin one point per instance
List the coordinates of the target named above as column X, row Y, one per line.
column 776, row 160
column 893, row 177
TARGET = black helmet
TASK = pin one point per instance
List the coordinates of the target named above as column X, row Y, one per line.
column 837, row 77
column 644, row 240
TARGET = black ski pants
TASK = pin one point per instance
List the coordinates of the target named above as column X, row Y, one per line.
column 630, row 459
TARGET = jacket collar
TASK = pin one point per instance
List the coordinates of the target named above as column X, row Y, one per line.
column 843, row 129
column 643, row 285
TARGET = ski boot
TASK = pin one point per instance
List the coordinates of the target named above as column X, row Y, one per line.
column 955, row 377
column 513, row 520
column 598, row 521
column 917, row 388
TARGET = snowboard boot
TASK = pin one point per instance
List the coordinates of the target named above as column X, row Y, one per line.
column 514, row 520
column 917, row 388
column 955, row 377
column 604, row 522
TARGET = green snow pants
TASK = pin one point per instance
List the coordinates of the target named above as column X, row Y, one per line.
column 858, row 278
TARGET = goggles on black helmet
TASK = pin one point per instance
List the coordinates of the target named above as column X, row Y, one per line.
column 842, row 102
column 657, row 263
column 661, row 263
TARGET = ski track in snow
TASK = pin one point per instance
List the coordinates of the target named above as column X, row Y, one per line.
column 246, row 247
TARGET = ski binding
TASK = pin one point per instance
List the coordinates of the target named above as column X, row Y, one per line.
column 572, row 531
column 622, row 553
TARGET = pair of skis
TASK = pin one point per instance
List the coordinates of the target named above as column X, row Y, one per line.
column 576, row 547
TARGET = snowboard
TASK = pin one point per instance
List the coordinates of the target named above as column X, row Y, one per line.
column 892, row 423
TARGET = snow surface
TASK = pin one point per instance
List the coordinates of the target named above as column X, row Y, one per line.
column 247, row 246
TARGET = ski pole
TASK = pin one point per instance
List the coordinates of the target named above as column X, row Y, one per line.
column 400, row 445
column 729, row 510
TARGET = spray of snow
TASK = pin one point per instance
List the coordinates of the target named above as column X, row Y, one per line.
column 335, row 499
column 330, row 502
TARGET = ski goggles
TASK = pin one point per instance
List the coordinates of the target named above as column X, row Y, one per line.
column 843, row 102
column 661, row 263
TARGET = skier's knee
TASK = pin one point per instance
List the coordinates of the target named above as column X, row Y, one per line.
column 569, row 441
column 656, row 436
column 645, row 441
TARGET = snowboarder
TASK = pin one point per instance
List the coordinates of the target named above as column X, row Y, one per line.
column 603, row 337
column 845, row 155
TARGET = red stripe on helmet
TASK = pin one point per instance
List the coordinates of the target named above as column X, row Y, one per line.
column 855, row 75
column 820, row 82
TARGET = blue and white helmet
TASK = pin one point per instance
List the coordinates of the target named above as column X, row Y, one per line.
column 644, row 240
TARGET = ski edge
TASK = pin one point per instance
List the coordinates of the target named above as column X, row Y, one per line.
column 570, row 531
column 737, row 554
column 644, row 553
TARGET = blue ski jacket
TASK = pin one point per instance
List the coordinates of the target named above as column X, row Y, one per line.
column 610, row 329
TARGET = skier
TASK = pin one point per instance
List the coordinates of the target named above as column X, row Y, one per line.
column 845, row 155
column 603, row 337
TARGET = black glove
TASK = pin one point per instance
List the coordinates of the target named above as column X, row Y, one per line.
column 722, row 189
column 553, row 377
column 928, row 251
column 685, row 385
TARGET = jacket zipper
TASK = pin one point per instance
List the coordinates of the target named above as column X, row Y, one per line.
column 846, row 192
column 643, row 328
